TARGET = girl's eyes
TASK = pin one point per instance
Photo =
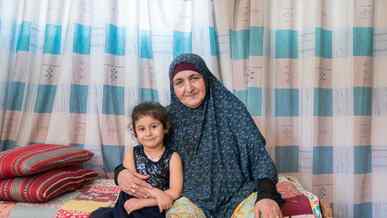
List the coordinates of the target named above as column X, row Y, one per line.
column 153, row 126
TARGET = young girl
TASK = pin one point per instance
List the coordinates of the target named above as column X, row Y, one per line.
column 160, row 165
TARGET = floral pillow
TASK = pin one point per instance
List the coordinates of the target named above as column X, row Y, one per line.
column 45, row 186
column 35, row 158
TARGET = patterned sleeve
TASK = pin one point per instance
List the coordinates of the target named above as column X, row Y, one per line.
column 266, row 189
column 117, row 171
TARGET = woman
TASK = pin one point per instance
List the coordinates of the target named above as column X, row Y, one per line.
column 223, row 151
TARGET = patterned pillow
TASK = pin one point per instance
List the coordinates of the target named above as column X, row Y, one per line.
column 297, row 205
column 45, row 186
column 35, row 158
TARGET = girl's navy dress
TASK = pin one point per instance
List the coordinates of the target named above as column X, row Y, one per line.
column 158, row 177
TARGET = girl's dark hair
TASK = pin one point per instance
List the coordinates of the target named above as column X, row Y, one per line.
column 153, row 109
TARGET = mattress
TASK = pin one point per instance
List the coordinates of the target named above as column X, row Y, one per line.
column 103, row 193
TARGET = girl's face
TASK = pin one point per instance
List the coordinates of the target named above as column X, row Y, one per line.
column 149, row 131
column 189, row 87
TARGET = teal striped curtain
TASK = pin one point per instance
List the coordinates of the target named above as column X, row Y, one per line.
column 311, row 73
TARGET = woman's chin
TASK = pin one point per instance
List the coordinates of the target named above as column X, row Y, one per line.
column 192, row 104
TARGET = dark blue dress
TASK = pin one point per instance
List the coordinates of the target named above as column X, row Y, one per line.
column 158, row 177
column 222, row 149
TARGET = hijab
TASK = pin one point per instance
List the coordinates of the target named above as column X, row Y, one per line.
column 222, row 149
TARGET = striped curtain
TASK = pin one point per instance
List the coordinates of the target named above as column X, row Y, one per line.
column 311, row 72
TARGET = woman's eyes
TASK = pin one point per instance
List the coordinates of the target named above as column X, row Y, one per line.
column 178, row 83
column 195, row 78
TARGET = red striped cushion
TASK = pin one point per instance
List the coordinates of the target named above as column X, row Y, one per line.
column 35, row 158
column 45, row 186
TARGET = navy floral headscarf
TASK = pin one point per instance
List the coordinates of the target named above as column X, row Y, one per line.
column 223, row 151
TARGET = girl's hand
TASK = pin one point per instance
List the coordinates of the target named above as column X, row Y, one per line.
column 164, row 201
column 133, row 183
column 132, row 204
column 267, row 208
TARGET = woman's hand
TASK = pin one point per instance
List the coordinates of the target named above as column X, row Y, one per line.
column 267, row 208
column 164, row 201
column 133, row 183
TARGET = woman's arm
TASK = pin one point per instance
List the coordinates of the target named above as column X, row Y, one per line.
column 268, row 200
column 267, row 208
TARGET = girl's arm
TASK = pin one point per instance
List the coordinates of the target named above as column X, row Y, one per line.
column 175, row 177
column 165, row 198
column 129, row 160
column 175, row 181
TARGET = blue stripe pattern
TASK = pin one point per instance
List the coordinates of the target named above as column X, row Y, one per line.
column 112, row 156
column 252, row 98
column 214, row 42
column 45, row 98
column 14, row 96
column 78, row 145
column 323, row 43
column 147, row 94
column 322, row 160
column 115, row 40
column 362, row 101
column 7, row 144
column 323, row 102
column 239, row 44
column 82, row 39
column 145, row 45
column 363, row 41
column 286, row 44
column 52, row 39
column 78, row 98
column 362, row 210
column 182, row 43
column 286, row 158
column 24, row 38
column 245, row 43
column 113, row 100
column 362, row 159
column 286, row 102
column 256, row 41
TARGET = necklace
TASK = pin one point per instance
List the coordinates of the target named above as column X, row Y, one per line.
column 155, row 155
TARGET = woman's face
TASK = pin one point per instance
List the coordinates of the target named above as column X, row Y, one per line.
column 189, row 87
